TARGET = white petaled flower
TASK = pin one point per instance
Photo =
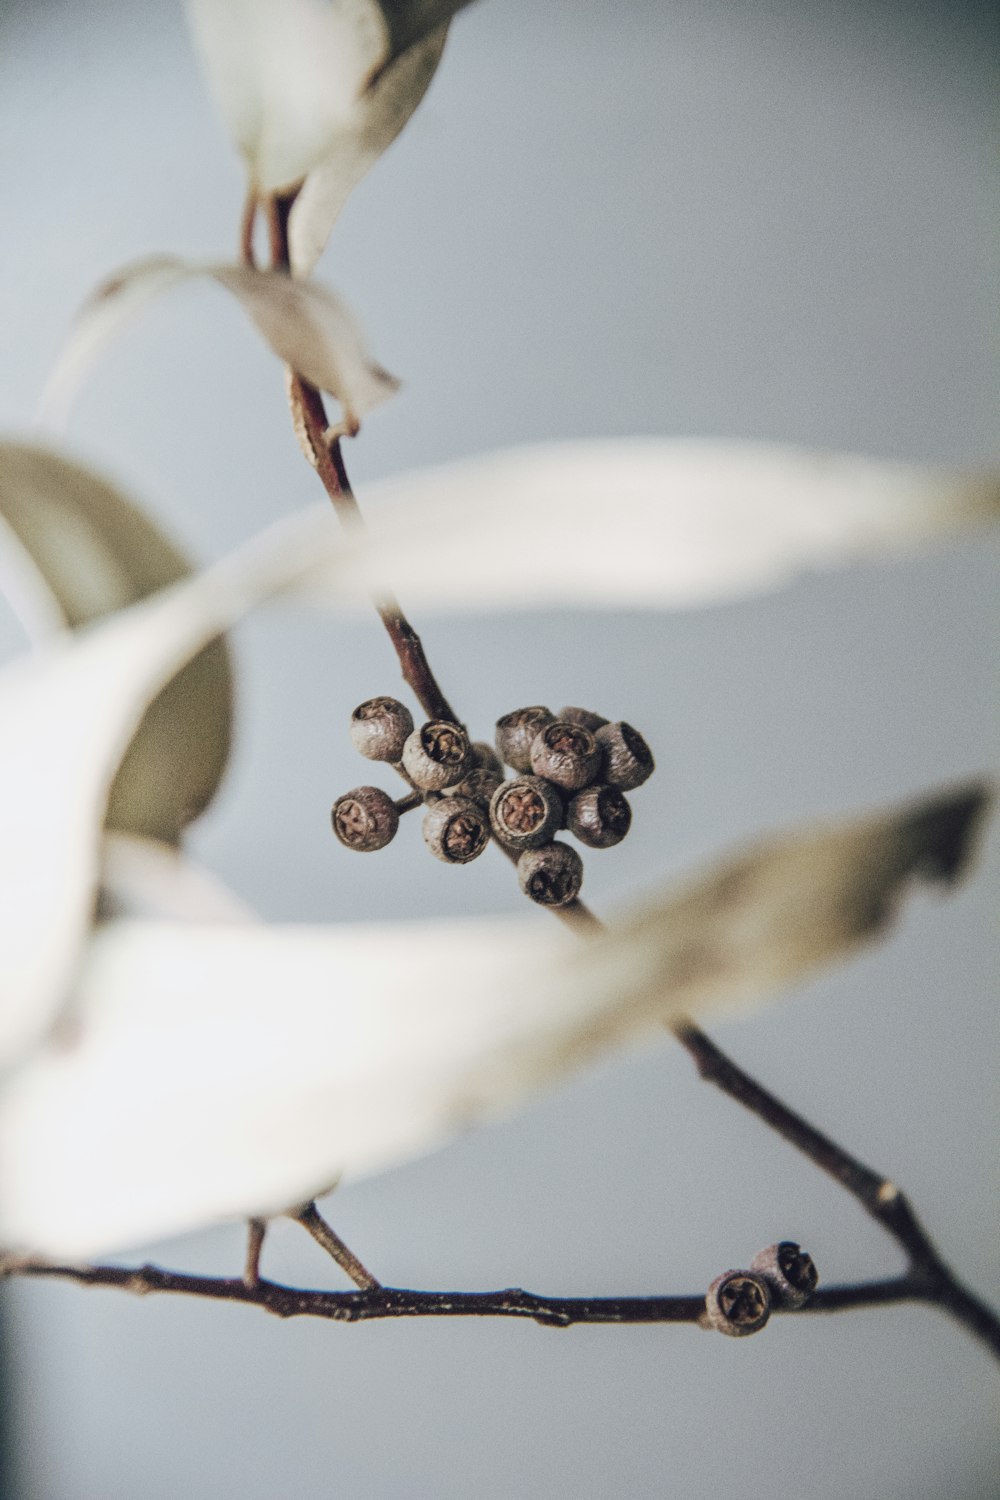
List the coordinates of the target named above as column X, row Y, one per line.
column 154, row 1073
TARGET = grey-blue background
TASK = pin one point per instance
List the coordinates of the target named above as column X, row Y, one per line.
column 772, row 222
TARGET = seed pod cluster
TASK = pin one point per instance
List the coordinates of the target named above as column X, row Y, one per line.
column 451, row 778
column 739, row 1303
column 571, row 771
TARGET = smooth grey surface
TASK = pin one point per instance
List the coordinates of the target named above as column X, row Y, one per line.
column 769, row 222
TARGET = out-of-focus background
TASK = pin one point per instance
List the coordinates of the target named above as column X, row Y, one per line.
column 679, row 216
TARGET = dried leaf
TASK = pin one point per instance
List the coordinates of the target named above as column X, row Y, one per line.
column 87, row 551
column 647, row 523
column 223, row 1071
column 287, row 75
column 306, row 325
column 69, row 711
column 380, row 115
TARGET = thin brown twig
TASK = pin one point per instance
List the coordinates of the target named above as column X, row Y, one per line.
column 397, row 1302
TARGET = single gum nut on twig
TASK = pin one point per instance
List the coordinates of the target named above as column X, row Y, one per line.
column 365, row 819
column 628, row 760
column 456, row 830
column 789, row 1271
column 738, row 1303
column 583, row 716
column 436, row 755
column 552, row 876
column 479, row 785
column 379, row 728
column 516, row 731
column 567, row 754
column 526, row 812
column 599, row 816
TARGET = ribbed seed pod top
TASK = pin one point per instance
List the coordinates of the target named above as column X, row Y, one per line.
column 365, row 819
column 526, row 812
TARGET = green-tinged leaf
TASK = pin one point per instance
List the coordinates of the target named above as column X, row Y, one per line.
column 381, row 113
column 69, row 710
column 287, row 75
column 218, row 1071
column 306, row 325
column 90, row 552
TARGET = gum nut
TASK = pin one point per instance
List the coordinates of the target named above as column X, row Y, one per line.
column 628, row 760
column 436, row 755
column 738, row 1303
column 456, row 830
column 599, row 816
column 515, row 733
column 552, row 876
column 566, row 754
column 485, row 758
column 379, row 728
column 526, row 812
column 365, row 819
column 789, row 1271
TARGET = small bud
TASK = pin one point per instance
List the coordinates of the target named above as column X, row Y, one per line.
column 628, row 760
column 379, row 728
column 789, row 1271
column 478, row 785
column 515, row 733
column 485, row 758
column 436, row 755
column 365, row 819
column 567, row 754
column 552, row 876
column 456, row 830
column 738, row 1303
column 583, row 716
column 599, row 816
column 525, row 813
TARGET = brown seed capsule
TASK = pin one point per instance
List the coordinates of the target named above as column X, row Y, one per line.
column 485, row 758
column 789, row 1271
column 515, row 733
column 552, row 876
column 738, row 1303
column 599, row 816
column 567, row 754
column 628, row 760
column 583, row 716
column 479, row 784
column 456, row 830
column 436, row 755
column 379, row 728
column 365, row 819
column 526, row 812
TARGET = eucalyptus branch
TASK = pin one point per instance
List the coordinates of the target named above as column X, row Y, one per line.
column 928, row 1278
column 393, row 1302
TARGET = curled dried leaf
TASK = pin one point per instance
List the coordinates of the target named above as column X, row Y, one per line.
column 306, row 325
column 255, row 1065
